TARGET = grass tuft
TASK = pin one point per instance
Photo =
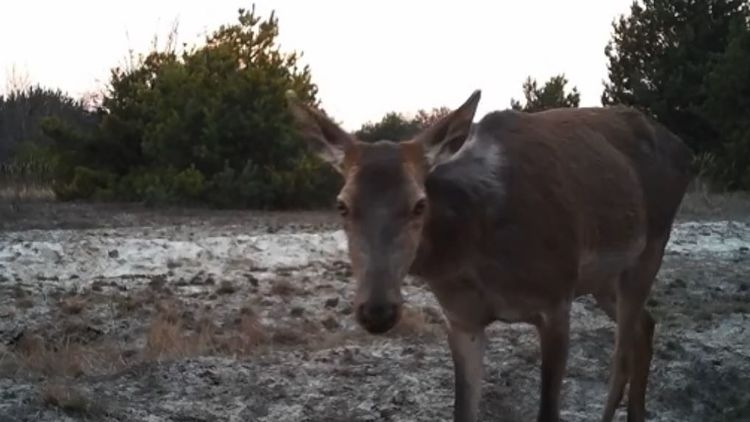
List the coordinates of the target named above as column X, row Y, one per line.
column 418, row 322
column 283, row 287
column 68, row 399
column 73, row 305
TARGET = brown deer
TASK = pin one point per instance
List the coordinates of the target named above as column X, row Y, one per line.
column 510, row 219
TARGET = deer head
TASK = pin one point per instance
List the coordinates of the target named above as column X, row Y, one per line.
column 383, row 203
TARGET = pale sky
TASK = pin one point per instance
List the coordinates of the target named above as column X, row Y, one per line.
column 368, row 57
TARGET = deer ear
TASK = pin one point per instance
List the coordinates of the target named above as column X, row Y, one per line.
column 444, row 137
column 326, row 138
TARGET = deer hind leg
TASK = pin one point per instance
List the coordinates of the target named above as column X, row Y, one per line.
column 643, row 347
column 641, row 368
column 611, row 303
column 631, row 360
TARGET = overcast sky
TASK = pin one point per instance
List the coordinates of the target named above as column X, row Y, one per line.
column 367, row 57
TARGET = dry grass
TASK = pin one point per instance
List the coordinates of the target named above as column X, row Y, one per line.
column 167, row 328
column 73, row 305
column 172, row 334
column 418, row 322
column 24, row 303
column 22, row 193
column 701, row 204
column 68, row 399
column 127, row 304
column 179, row 330
column 19, row 292
column 249, row 335
column 330, row 340
column 68, row 358
column 283, row 287
column 169, row 339
column 294, row 336
column 36, row 355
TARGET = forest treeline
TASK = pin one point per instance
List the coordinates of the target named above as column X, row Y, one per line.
column 208, row 125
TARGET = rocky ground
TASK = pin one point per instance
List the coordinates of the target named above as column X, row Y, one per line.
column 114, row 313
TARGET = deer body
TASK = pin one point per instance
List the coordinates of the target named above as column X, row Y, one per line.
column 510, row 220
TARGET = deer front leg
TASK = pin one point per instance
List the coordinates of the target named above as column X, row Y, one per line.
column 467, row 350
column 554, row 333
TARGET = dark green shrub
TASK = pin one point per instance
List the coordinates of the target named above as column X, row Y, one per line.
column 85, row 183
column 208, row 124
column 189, row 183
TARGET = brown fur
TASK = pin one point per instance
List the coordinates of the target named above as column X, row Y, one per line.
column 533, row 211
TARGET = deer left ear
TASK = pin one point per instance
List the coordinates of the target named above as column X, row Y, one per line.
column 444, row 137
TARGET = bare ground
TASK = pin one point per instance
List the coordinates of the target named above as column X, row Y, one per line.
column 119, row 313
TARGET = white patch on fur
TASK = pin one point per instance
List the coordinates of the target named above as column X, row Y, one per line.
column 479, row 165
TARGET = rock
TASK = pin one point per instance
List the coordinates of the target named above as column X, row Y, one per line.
column 198, row 279
column 114, row 253
column 332, row 302
column 331, row 323
column 157, row 281
column 678, row 282
column 252, row 280
column 226, row 288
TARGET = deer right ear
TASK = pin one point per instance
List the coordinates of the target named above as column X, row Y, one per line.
column 447, row 135
column 326, row 138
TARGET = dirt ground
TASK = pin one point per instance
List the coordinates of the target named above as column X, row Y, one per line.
column 111, row 312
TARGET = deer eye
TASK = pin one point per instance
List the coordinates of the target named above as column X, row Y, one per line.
column 342, row 208
column 419, row 207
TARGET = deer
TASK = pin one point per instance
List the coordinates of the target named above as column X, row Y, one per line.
column 510, row 219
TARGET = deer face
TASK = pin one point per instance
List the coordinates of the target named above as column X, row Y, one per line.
column 383, row 204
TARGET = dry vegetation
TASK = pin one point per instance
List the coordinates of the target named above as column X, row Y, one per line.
column 702, row 204
column 22, row 193
column 70, row 334
column 176, row 333
column 67, row 398
column 283, row 287
column 73, row 305
column 169, row 327
column 19, row 192
column 70, row 346
column 70, row 357
column 419, row 322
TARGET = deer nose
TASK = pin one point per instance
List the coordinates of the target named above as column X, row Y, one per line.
column 378, row 317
